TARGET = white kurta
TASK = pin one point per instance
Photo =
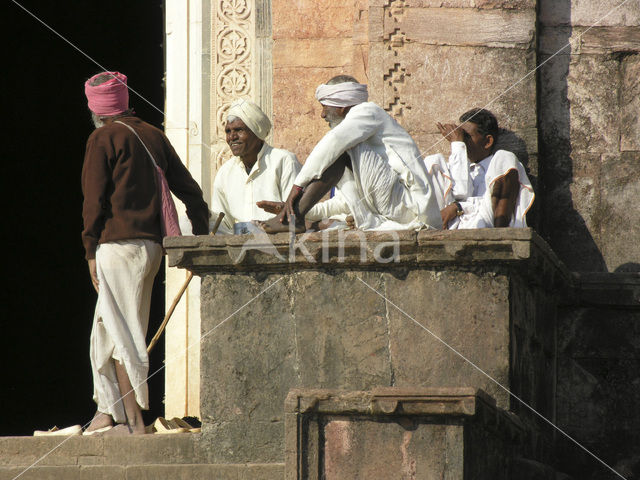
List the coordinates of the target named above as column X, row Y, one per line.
column 126, row 270
column 472, row 184
column 235, row 192
column 384, row 138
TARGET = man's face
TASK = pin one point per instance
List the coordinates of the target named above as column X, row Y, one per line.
column 242, row 141
column 332, row 115
column 478, row 145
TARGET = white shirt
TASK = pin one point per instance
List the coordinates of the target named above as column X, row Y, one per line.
column 235, row 192
column 472, row 184
column 368, row 123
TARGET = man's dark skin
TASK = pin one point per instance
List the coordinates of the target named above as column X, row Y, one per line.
column 300, row 201
column 243, row 143
column 505, row 189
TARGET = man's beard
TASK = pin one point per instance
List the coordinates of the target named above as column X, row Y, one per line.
column 97, row 121
column 333, row 119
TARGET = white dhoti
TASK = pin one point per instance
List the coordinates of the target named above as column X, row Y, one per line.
column 126, row 270
column 375, row 194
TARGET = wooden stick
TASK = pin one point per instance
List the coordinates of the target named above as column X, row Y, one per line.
column 173, row 306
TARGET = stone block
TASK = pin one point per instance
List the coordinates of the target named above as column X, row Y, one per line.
column 594, row 112
column 398, row 433
column 74, row 472
column 312, row 19
column 50, row 450
column 480, row 332
column 151, row 449
column 598, row 378
column 608, row 39
column 420, row 76
column 495, row 28
column 618, row 223
column 312, row 53
column 630, row 103
column 479, row 4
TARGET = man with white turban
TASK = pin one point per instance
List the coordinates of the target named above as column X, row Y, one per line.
column 256, row 172
column 384, row 184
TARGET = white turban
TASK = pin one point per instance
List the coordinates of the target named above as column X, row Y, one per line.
column 252, row 116
column 344, row 94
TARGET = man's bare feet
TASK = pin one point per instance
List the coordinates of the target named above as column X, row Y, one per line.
column 274, row 225
column 124, row 429
column 100, row 420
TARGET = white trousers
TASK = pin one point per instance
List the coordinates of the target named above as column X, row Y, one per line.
column 126, row 270
column 377, row 198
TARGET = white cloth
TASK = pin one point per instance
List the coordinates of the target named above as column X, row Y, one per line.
column 126, row 270
column 370, row 125
column 343, row 94
column 472, row 184
column 252, row 116
column 235, row 192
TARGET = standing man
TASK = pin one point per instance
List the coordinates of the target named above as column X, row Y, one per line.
column 372, row 160
column 489, row 187
column 122, row 239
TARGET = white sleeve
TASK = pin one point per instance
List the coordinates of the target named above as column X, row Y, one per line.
column 290, row 168
column 219, row 204
column 359, row 124
column 462, row 184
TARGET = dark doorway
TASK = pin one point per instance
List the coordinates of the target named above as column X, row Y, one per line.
column 47, row 297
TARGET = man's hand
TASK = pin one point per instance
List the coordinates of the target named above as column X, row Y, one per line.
column 93, row 273
column 448, row 213
column 270, row 206
column 289, row 208
column 451, row 131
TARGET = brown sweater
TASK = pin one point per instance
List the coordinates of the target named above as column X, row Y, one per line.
column 121, row 200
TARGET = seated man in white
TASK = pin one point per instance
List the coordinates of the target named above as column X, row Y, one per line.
column 480, row 186
column 373, row 161
column 256, row 172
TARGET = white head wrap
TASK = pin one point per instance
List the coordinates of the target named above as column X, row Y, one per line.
column 252, row 116
column 344, row 94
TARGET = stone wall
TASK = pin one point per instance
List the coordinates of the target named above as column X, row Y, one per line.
column 599, row 377
column 332, row 315
column 590, row 132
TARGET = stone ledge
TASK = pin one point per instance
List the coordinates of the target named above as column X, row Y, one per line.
column 621, row 290
column 353, row 249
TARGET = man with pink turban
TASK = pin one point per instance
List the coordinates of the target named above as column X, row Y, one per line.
column 122, row 238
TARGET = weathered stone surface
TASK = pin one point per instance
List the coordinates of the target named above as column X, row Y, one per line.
column 618, row 223
column 342, row 321
column 630, row 103
column 502, row 4
column 98, row 472
column 312, row 19
column 398, row 433
column 497, row 28
column 480, row 331
column 597, row 399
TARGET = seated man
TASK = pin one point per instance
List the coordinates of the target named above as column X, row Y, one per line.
column 485, row 187
column 256, row 172
column 370, row 158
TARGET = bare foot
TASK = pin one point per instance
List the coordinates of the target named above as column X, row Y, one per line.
column 273, row 225
column 100, row 420
column 123, row 430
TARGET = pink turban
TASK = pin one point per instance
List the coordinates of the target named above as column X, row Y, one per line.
column 109, row 98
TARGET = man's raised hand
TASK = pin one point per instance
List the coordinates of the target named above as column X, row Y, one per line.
column 451, row 131
column 270, row 206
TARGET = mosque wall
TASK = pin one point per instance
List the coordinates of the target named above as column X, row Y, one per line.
column 573, row 122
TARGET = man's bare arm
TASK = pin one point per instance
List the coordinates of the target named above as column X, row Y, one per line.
column 504, row 197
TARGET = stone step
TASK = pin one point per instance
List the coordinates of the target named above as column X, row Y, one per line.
column 172, row 456
column 146, row 472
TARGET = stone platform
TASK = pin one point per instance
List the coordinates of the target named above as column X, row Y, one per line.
column 358, row 311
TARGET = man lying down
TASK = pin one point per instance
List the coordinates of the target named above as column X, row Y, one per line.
column 372, row 161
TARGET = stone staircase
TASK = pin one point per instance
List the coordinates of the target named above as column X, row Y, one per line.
column 150, row 457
